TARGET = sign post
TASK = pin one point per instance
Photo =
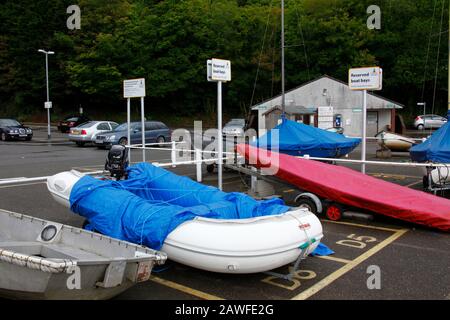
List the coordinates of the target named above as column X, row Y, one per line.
column 135, row 88
column 219, row 71
column 363, row 79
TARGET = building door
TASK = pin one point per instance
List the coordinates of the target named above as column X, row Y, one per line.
column 372, row 123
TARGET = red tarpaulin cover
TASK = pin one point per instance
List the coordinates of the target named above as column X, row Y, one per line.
column 355, row 189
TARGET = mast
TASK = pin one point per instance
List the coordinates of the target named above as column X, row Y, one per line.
column 283, row 100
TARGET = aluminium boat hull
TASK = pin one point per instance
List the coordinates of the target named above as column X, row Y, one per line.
column 41, row 259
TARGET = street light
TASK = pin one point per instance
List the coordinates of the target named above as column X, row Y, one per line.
column 47, row 105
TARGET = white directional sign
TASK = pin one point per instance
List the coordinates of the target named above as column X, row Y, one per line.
column 218, row 70
column 48, row 105
column 370, row 78
column 134, row 88
column 325, row 117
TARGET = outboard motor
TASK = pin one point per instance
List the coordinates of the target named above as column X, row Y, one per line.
column 117, row 161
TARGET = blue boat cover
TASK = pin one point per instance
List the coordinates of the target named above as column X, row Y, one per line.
column 298, row 139
column 153, row 201
column 435, row 149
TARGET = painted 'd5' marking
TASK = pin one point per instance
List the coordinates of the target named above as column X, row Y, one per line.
column 356, row 242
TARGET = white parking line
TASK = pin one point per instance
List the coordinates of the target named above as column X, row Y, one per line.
column 21, row 185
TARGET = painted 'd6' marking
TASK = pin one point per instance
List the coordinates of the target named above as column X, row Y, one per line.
column 298, row 275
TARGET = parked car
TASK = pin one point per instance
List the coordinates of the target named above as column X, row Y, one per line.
column 429, row 121
column 71, row 122
column 155, row 132
column 235, row 127
column 88, row 131
column 12, row 129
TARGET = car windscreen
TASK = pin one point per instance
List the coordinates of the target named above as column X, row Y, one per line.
column 121, row 127
column 72, row 119
column 9, row 123
column 87, row 124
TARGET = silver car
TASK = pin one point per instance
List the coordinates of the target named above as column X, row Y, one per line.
column 429, row 121
column 87, row 132
column 235, row 127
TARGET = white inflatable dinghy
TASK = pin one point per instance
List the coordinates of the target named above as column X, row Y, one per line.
column 228, row 246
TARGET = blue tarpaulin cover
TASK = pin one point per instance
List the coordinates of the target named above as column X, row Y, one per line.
column 298, row 139
column 322, row 250
column 153, row 201
column 435, row 149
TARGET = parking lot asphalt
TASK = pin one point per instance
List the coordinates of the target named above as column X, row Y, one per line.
column 414, row 261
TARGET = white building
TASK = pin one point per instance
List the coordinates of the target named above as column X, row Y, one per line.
column 306, row 104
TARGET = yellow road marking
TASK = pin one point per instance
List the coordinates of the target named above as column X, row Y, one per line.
column 340, row 272
column 180, row 287
column 334, row 259
column 361, row 225
column 413, row 184
column 393, row 176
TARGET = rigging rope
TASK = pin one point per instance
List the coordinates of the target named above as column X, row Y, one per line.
column 261, row 52
column 437, row 58
column 428, row 51
column 303, row 42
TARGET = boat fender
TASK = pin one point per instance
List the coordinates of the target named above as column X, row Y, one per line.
column 313, row 197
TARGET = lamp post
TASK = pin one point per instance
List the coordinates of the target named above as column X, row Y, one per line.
column 47, row 106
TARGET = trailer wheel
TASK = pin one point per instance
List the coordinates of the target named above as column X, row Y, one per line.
column 303, row 202
column 210, row 168
column 425, row 182
column 334, row 212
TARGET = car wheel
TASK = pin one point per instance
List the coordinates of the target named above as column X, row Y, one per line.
column 80, row 143
column 123, row 141
column 160, row 141
column 306, row 203
column 4, row 137
column 420, row 127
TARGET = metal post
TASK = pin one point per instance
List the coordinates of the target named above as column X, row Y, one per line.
column 219, row 133
column 48, row 97
column 143, row 128
column 253, row 179
column 128, row 128
column 198, row 159
column 283, row 99
column 173, row 155
column 364, row 125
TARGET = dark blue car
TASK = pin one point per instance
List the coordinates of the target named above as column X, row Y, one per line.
column 155, row 132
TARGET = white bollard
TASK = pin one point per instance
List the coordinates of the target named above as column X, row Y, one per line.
column 198, row 163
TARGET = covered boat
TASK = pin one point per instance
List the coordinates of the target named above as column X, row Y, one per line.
column 298, row 139
column 40, row 259
column 355, row 189
column 435, row 149
column 194, row 224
